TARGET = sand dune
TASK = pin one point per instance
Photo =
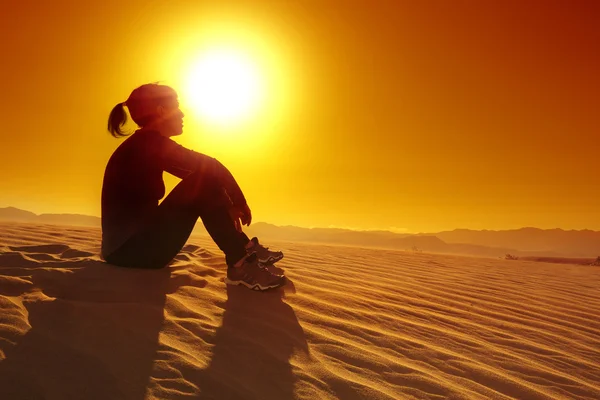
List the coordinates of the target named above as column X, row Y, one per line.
column 352, row 324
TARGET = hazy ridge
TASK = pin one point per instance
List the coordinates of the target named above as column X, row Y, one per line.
column 524, row 242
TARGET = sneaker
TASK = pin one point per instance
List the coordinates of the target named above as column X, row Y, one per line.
column 264, row 255
column 249, row 273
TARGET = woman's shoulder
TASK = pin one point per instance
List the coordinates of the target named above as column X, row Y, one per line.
column 142, row 138
column 138, row 142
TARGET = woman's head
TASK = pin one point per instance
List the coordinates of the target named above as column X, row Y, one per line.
column 150, row 106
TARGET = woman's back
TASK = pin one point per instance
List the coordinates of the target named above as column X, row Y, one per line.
column 132, row 187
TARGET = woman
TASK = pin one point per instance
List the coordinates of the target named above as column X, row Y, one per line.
column 137, row 231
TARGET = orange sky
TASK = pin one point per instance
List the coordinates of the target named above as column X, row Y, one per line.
column 417, row 116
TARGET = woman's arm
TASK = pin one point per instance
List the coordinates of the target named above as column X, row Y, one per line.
column 179, row 161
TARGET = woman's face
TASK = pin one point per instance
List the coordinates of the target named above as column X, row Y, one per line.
column 171, row 118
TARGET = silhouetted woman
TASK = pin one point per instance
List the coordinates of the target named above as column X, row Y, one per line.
column 139, row 232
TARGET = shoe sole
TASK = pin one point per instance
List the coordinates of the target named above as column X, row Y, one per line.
column 257, row 286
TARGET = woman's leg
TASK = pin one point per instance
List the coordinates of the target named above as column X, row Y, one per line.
column 166, row 232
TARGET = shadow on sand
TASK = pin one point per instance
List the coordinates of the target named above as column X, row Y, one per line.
column 94, row 327
column 92, row 332
column 253, row 347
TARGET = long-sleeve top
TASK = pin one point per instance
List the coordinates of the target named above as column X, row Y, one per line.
column 133, row 182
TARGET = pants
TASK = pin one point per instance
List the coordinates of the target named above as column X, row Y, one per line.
column 169, row 227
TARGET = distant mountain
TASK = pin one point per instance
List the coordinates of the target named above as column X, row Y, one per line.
column 329, row 235
column 572, row 243
column 520, row 242
column 380, row 239
column 17, row 215
column 528, row 242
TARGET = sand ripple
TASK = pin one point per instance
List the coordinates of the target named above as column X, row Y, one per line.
column 352, row 324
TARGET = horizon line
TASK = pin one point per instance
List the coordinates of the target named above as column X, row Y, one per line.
column 394, row 230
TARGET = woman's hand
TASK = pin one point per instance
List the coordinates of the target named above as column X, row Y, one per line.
column 241, row 215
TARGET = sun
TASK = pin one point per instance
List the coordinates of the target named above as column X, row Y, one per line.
column 224, row 86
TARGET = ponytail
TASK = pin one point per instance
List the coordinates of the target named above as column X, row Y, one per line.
column 117, row 120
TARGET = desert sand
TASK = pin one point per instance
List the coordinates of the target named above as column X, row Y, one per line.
column 352, row 323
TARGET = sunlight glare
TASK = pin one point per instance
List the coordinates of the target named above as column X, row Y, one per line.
column 224, row 86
